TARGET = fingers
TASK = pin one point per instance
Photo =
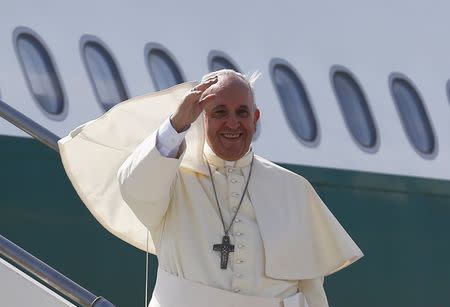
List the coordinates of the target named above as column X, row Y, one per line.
column 205, row 84
column 202, row 102
column 194, row 92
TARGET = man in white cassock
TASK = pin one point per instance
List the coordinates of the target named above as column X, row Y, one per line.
column 229, row 228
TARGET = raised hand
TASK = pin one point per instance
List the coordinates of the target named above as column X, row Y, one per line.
column 192, row 105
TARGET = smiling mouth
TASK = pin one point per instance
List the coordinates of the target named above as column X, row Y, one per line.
column 231, row 136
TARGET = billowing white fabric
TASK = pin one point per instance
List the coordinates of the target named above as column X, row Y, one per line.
column 301, row 238
column 93, row 152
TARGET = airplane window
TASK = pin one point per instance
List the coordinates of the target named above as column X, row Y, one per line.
column 163, row 68
column 218, row 60
column 413, row 114
column 355, row 108
column 294, row 100
column 104, row 74
column 40, row 73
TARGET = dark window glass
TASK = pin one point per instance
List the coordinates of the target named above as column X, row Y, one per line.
column 164, row 70
column 218, row 62
column 355, row 109
column 413, row 115
column 104, row 74
column 40, row 73
column 295, row 102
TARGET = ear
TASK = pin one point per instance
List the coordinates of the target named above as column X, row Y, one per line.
column 257, row 115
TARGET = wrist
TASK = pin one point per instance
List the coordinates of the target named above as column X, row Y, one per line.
column 178, row 125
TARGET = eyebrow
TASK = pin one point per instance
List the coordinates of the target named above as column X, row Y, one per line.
column 219, row 106
column 242, row 106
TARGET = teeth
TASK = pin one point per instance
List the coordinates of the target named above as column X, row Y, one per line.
column 231, row 135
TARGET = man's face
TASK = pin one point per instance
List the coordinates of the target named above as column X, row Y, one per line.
column 230, row 119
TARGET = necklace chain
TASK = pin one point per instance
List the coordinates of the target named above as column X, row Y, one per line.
column 240, row 202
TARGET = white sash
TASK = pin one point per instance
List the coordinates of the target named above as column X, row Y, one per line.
column 173, row 291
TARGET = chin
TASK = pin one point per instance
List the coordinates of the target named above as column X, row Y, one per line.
column 230, row 152
column 231, row 155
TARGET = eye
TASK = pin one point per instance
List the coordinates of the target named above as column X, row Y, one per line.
column 243, row 112
column 219, row 113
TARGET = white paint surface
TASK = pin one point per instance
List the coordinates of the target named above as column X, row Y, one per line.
column 371, row 39
column 18, row 290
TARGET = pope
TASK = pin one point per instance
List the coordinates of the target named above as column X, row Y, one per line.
column 179, row 178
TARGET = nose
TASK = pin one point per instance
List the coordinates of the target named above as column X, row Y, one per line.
column 233, row 122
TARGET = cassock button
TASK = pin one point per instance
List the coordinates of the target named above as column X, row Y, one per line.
column 230, row 170
column 240, row 261
column 235, row 194
column 234, row 180
column 241, row 245
column 238, row 234
column 237, row 220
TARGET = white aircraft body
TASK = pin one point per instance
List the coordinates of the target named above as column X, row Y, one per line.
column 355, row 93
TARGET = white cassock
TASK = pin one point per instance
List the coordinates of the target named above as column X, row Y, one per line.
column 285, row 239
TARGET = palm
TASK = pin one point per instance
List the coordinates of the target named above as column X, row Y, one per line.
column 192, row 105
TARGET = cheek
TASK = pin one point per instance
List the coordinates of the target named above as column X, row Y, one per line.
column 249, row 126
column 211, row 128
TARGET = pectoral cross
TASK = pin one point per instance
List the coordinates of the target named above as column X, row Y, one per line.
column 225, row 249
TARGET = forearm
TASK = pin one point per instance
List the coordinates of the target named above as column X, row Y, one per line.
column 169, row 140
column 146, row 179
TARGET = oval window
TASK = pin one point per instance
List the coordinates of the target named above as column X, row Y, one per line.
column 40, row 73
column 218, row 60
column 163, row 68
column 413, row 115
column 355, row 108
column 294, row 100
column 104, row 75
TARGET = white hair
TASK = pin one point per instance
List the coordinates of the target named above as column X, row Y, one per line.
column 250, row 81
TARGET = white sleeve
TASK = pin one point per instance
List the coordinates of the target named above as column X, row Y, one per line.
column 146, row 180
column 168, row 140
column 314, row 292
